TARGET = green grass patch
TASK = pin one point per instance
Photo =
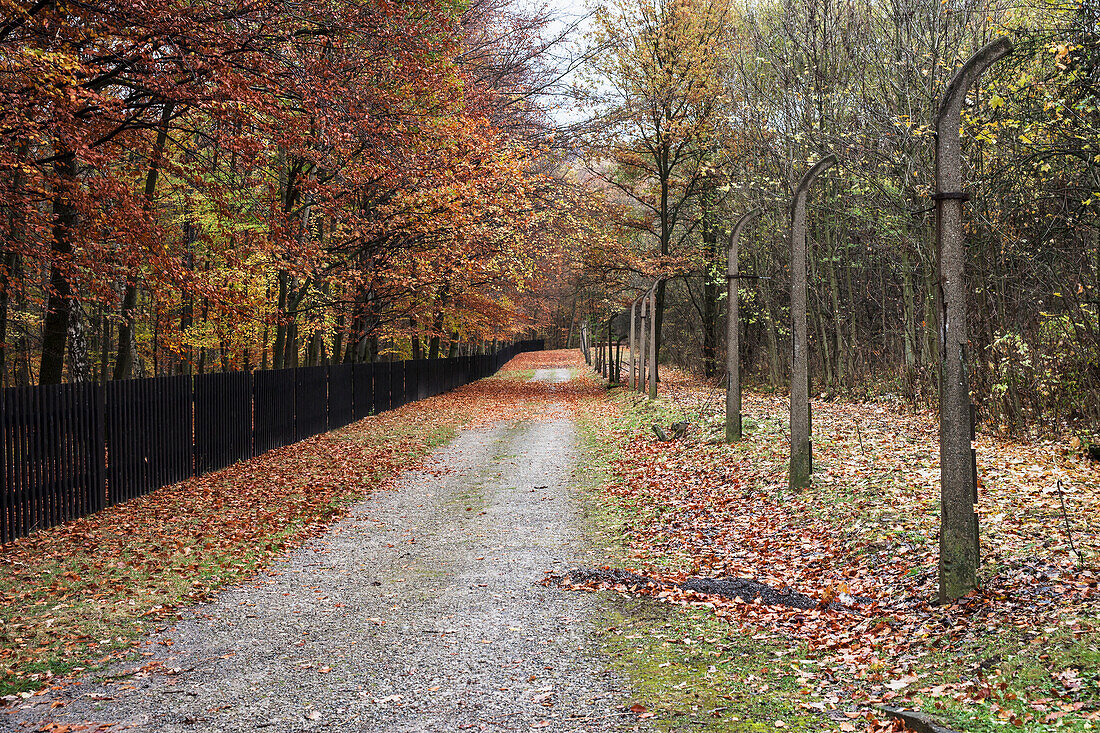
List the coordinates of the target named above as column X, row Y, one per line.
column 691, row 670
column 693, row 674
column 1043, row 680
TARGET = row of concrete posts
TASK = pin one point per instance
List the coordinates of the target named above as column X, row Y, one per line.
column 959, row 546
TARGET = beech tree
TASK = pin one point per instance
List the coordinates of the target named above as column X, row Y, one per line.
column 227, row 186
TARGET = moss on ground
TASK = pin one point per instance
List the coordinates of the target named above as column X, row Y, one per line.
column 689, row 669
column 1037, row 680
column 692, row 672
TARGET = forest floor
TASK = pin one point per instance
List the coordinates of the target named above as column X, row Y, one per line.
column 1023, row 651
column 150, row 593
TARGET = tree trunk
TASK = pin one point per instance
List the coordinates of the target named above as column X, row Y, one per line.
column 104, row 345
column 80, row 369
column 205, row 312
column 338, row 339
column 290, row 346
column 710, row 286
column 7, row 270
column 187, row 312
column 838, row 322
column 280, row 324
column 775, row 370
column 437, row 326
column 59, row 304
column 9, row 267
column 124, row 359
column 908, row 304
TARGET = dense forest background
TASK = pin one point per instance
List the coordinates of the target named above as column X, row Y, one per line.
column 188, row 187
column 705, row 109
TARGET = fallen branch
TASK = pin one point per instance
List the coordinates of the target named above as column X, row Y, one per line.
column 1065, row 521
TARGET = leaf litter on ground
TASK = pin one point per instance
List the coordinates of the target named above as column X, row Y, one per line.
column 1019, row 651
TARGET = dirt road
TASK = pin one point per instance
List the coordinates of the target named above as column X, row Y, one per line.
column 420, row 611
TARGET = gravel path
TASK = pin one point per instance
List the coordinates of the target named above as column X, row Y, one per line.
column 420, row 611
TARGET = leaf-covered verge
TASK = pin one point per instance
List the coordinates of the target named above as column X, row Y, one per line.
column 1023, row 651
column 686, row 670
column 77, row 596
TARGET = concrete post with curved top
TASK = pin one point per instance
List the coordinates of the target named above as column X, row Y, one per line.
column 801, row 450
column 959, row 547
column 733, row 332
column 633, row 369
column 653, row 340
column 643, row 314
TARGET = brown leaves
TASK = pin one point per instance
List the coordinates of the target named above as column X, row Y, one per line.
column 862, row 539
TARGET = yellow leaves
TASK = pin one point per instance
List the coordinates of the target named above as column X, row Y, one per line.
column 986, row 135
column 1061, row 53
column 996, row 102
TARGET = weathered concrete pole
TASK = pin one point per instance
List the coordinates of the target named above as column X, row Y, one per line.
column 653, row 339
column 646, row 315
column 600, row 351
column 612, row 371
column 643, row 310
column 596, row 354
column 959, row 550
column 631, row 374
column 733, row 333
column 801, row 450
column 640, row 336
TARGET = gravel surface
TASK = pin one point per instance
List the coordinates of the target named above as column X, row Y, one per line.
column 420, row 611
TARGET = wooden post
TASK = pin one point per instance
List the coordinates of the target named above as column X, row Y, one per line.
column 801, row 450
column 959, row 548
column 733, row 333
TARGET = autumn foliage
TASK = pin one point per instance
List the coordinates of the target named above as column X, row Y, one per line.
column 223, row 184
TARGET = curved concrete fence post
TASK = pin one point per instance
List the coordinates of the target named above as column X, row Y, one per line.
column 733, row 332
column 632, row 369
column 653, row 340
column 959, row 549
column 801, row 450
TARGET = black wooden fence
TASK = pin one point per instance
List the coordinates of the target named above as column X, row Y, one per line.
column 71, row 449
